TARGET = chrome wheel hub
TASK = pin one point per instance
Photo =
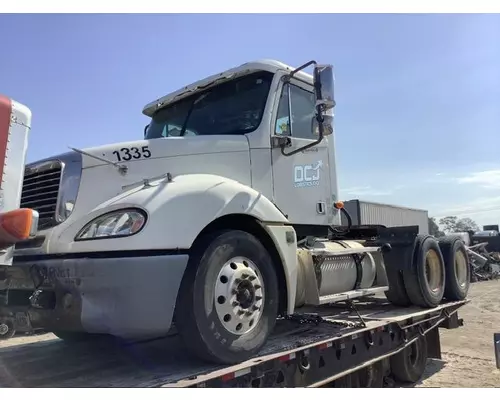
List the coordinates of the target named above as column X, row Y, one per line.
column 3, row 329
column 461, row 268
column 433, row 271
column 239, row 295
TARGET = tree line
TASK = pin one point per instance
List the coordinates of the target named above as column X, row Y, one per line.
column 451, row 224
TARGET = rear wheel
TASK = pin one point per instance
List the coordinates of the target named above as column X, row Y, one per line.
column 457, row 268
column 425, row 279
column 228, row 300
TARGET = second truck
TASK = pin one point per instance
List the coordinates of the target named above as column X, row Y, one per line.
column 222, row 219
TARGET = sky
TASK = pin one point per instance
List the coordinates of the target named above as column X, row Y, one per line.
column 418, row 96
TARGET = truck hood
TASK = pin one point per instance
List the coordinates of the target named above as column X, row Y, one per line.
column 145, row 159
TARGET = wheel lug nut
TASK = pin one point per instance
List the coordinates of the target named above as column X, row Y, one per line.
column 257, row 287
column 252, row 278
column 255, row 308
column 245, row 276
column 241, row 312
column 257, row 298
column 248, row 313
column 235, row 303
column 237, row 280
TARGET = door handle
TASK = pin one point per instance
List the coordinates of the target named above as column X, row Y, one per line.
column 321, row 207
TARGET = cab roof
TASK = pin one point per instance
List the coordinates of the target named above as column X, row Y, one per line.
column 244, row 69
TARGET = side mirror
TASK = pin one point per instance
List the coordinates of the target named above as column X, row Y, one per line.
column 322, row 122
column 327, row 125
column 324, row 85
column 325, row 98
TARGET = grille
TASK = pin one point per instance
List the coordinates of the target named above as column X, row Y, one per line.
column 41, row 191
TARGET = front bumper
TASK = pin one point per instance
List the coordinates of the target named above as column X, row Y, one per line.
column 128, row 297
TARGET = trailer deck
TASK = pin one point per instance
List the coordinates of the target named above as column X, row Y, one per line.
column 327, row 343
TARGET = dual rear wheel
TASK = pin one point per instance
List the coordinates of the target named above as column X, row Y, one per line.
column 439, row 269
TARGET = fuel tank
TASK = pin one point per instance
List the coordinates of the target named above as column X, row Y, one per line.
column 334, row 273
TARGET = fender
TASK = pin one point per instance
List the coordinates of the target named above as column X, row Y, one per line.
column 177, row 212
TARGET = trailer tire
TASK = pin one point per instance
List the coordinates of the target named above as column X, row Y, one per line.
column 7, row 330
column 409, row 364
column 458, row 273
column 425, row 279
column 228, row 300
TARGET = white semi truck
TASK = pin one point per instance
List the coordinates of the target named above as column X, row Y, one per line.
column 221, row 220
column 16, row 224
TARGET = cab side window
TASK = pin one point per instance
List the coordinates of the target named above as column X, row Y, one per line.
column 296, row 110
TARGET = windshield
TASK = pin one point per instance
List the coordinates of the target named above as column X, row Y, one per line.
column 234, row 107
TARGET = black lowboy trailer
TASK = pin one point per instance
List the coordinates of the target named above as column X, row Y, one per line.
column 370, row 344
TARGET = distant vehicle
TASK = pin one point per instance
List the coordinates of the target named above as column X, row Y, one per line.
column 463, row 236
column 486, row 233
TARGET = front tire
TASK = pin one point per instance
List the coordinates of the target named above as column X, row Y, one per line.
column 228, row 300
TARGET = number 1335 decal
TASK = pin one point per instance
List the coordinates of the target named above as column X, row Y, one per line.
column 129, row 153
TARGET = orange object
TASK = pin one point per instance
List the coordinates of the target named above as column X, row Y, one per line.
column 338, row 205
column 16, row 225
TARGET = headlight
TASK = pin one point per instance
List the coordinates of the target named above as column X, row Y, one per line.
column 114, row 224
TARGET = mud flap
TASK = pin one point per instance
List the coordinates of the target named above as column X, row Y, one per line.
column 398, row 244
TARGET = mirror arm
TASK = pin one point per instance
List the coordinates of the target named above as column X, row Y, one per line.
column 291, row 153
column 319, row 112
column 317, row 141
column 307, row 64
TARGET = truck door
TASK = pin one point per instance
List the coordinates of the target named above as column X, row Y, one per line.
column 301, row 182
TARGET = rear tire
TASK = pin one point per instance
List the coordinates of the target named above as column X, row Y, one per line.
column 409, row 364
column 228, row 300
column 425, row 279
column 458, row 273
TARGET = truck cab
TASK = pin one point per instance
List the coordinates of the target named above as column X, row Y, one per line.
column 228, row 126
column 238, row 118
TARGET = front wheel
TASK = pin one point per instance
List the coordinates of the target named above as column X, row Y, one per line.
column 228, row 299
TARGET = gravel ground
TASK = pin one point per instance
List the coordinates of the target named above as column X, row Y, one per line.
column 468, row 353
